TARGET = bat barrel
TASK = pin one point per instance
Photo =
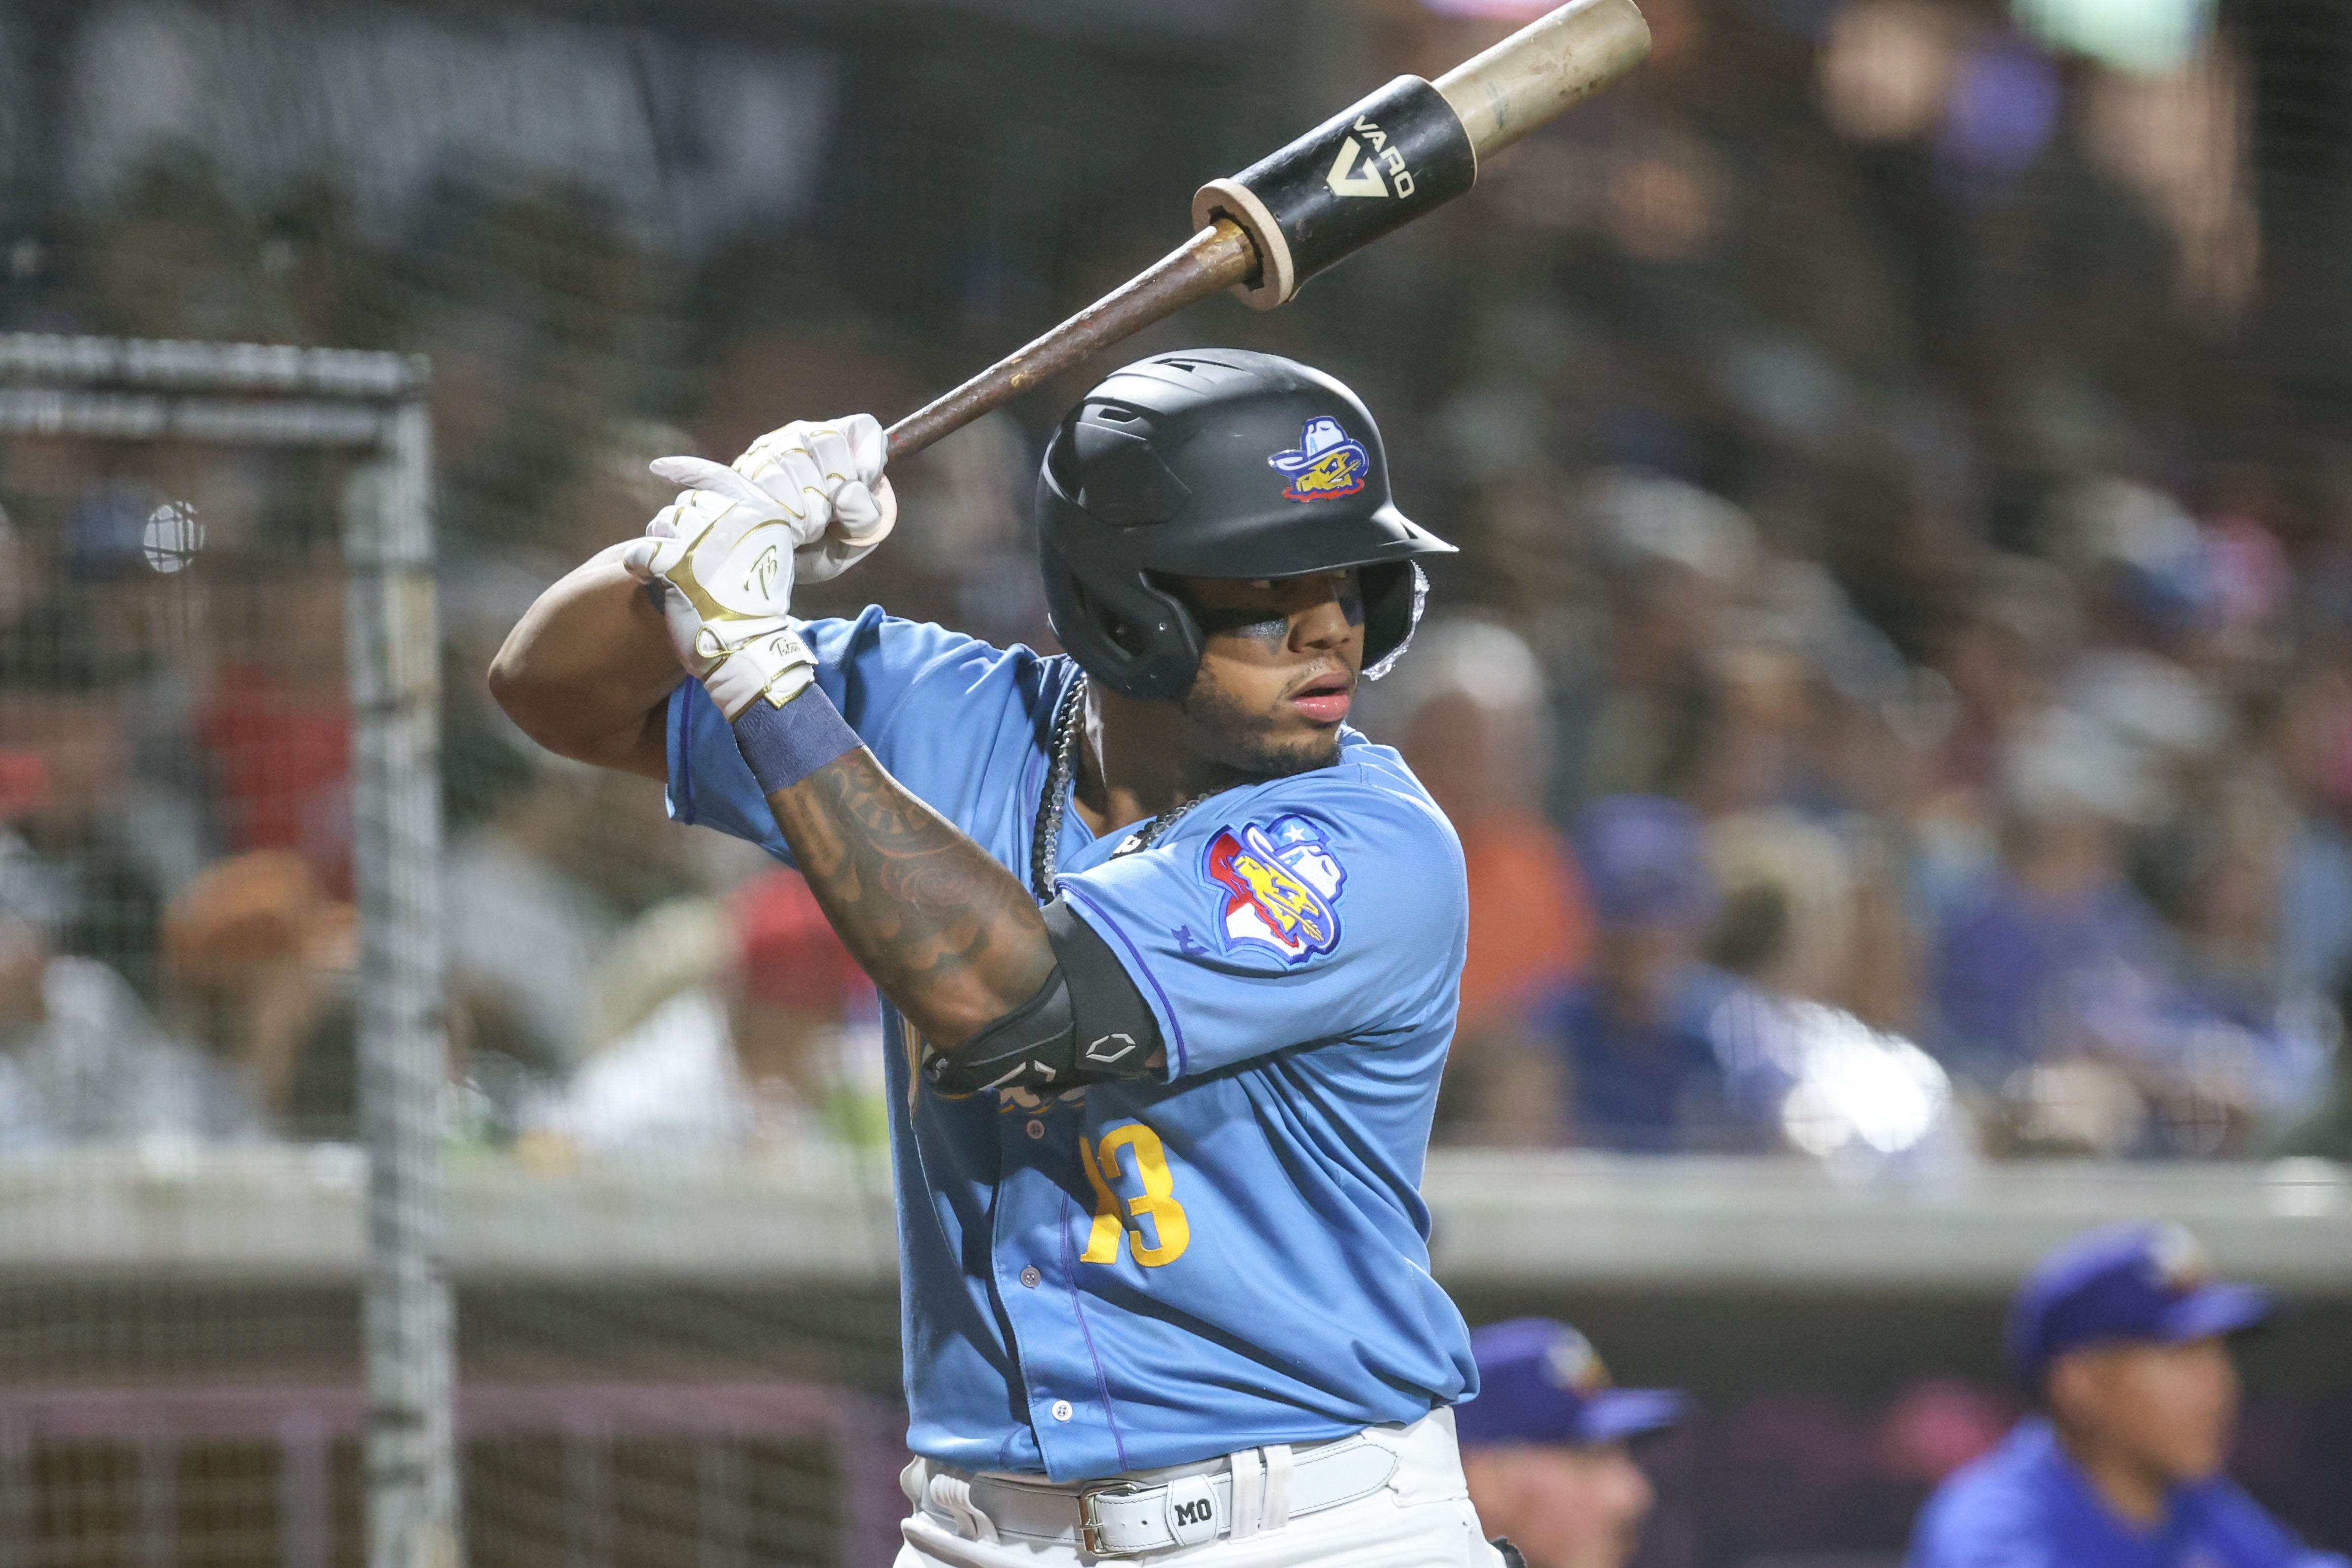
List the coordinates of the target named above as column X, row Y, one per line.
column 1413, row 145
column 1369, row 170
column 1539, row 70
column 1410, row 147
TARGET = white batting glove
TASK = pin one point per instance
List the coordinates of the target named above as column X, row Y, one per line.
column 834, row 462
column 724, row 568
column 726, row 553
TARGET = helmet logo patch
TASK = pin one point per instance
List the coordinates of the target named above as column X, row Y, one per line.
column 1328, row 463
column 1278, row 887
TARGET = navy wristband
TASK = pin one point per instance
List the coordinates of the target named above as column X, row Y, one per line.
column 786, row 744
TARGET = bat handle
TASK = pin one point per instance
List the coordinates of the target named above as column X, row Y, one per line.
column 1217, row 258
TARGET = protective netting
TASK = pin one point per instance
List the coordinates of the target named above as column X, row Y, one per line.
column 1900, row 453
column 213, row 894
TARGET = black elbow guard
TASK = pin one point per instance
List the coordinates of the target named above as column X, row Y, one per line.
column 1085, row 1024
column 1112, row 1031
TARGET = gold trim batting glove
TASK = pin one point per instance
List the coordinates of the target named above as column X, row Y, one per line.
column 837, row 461
column 805, row 501
column 725, row 571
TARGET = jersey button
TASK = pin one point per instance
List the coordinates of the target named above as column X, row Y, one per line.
column 1037, row 1129
column 1030, row 1276
column 1062, row 1411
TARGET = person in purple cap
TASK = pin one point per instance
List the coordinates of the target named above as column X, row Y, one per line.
column 1644, row 1074
column 2122, row 1340
column 1543, row 1445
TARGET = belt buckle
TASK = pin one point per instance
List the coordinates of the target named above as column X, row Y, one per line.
column 1090, row 1521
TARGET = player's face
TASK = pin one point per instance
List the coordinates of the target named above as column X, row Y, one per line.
column 1278, row 664
column 1562, row 1506
column 2167, row 1410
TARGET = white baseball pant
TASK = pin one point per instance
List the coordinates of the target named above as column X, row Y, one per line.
column 1390, row 1497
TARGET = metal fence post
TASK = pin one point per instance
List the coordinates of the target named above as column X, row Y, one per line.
column 409, row 1447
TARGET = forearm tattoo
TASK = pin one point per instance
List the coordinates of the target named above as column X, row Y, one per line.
column 950, row 937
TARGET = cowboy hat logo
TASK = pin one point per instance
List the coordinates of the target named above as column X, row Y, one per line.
column 1328, row 463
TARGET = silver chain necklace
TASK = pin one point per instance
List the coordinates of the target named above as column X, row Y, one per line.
column 1045, row 846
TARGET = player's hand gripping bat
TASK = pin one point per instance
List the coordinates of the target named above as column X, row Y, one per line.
column 1410, row 147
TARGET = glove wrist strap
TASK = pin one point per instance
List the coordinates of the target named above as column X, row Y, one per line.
column 775, row 664
column 784, row 745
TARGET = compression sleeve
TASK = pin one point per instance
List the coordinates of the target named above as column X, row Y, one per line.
column 873, row 668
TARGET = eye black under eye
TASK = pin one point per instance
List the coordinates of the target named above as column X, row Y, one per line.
column 1244, row 622
column 1270, row 624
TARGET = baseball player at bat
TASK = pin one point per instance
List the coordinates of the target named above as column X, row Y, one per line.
column 1169, row 954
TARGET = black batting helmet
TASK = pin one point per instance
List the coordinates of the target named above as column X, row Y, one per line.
column 1215, row 463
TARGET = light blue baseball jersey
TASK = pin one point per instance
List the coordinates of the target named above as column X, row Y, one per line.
column 1155, row 1271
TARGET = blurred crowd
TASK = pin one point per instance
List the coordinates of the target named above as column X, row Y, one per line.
column 1741, row 875
column 1895, row 694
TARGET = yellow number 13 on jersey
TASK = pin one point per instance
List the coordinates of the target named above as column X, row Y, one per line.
column 1169, row 1233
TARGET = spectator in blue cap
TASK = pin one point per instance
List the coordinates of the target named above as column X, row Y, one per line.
column 1543, row 1445
column 2121, row 1340
column 1632, row 1033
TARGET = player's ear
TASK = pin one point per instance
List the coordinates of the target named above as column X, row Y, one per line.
column 1126, row 636
column 2069, row 1386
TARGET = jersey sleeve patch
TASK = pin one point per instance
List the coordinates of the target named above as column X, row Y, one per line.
column 1277, row 887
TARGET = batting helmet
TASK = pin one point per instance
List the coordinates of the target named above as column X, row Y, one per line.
column 1215, row 463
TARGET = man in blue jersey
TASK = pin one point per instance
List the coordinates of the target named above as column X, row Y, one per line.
column 2121, row 1340
column 1170, row 953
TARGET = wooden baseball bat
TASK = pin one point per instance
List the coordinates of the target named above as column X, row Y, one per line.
column 1410, row 147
